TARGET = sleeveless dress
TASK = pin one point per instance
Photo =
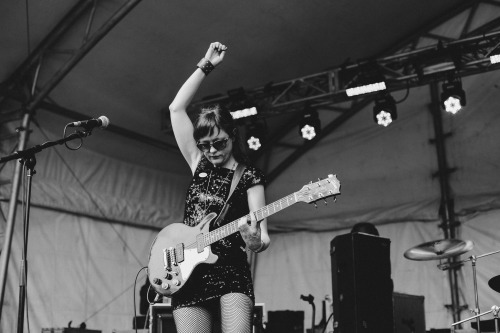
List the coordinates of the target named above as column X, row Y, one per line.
column 207, row 193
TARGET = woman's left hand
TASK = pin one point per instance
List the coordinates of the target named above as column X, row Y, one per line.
column 249, row 229
column 215, row 53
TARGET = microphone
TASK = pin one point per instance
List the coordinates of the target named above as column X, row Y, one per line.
column 101, row 122
column 309, row 298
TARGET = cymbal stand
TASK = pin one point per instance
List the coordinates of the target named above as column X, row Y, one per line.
column 494, row 309
column 473, row 260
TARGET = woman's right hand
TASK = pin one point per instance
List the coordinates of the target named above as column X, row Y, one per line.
column 215, row 53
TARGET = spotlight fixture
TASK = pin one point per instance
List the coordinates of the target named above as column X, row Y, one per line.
column 240, row 105
column 363, row 79
column 366, row 89
column 256, row 134
column 310, row 125
column 384, row 111
column 495, row 59
column 453, row 96
column 238, row 114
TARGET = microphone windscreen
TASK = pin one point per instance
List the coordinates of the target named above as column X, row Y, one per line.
column 105, row 121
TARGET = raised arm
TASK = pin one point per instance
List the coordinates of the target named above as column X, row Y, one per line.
column 181, row 123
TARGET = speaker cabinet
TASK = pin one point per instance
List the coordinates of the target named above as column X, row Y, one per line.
column 361, row 284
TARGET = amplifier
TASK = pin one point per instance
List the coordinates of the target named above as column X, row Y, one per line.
column 409, row 315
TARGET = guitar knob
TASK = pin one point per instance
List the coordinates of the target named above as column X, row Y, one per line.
column 157, row 281
column 168, row 276
column 176, row 282
column 165, row 286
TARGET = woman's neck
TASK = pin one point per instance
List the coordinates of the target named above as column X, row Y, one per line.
column 230, row 163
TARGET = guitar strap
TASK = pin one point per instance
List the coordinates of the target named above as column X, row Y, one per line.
column 234, row 182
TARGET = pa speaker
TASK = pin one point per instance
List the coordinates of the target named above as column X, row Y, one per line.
column 361, row 284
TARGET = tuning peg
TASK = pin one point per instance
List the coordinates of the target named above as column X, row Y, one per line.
column 326, row 202
column 315, row 205
column 335, row 198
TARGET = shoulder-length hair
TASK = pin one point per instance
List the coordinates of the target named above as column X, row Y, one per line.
column 214, row 118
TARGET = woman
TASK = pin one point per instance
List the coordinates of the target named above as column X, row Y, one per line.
column 222, row 291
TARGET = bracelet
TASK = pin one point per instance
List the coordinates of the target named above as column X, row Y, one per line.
column 261, row 247
column 205, row 65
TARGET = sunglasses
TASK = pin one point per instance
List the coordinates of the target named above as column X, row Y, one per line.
column 218, row 145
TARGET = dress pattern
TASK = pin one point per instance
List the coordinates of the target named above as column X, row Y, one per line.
column 207, row 193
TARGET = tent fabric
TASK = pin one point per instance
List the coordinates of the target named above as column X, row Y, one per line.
column 82, row 270
column 94, row 217
column 390, row 174
column 90, row 184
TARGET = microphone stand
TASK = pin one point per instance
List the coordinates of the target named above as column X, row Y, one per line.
column 27, row 159
column 310, row 300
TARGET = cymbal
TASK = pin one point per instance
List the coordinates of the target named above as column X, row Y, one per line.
column 439, row 249
column 494, row 283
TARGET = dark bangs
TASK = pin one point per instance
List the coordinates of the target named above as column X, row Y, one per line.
column 211, row 120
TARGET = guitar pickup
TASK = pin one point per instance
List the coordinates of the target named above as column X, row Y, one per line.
column 179, row 252
column 200, row 242
column 166, row 260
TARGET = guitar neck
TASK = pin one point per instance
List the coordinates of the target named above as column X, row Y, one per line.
column 232, row 227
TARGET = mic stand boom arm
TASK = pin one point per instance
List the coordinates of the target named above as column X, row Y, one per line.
column 27, row 158
column 23, row 154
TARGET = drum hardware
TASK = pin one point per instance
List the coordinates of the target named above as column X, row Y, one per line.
column 494, row 309
column 450, row 248
column 494, row 283
column 439, row 249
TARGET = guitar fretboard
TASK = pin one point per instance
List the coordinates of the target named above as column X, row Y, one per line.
column 232, row 227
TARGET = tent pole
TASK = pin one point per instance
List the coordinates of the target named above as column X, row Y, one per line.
column 9, row 231
column 447, row 212
column 30, row 108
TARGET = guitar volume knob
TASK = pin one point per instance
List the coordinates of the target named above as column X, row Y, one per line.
column 157, row 281
column 176, row 282
column 165, row 286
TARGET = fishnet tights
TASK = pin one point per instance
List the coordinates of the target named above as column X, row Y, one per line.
column 236, row 311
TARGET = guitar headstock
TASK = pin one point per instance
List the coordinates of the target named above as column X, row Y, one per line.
column 321, row 189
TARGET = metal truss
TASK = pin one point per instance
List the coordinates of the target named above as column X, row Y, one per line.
column 405, row 65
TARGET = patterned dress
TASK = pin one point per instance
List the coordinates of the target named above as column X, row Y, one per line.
column 207, row 193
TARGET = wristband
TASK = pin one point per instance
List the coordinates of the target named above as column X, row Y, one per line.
column 205, row 65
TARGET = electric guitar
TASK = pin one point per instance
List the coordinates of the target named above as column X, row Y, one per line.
column 178, row 248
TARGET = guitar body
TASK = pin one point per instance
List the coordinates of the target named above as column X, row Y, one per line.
column 178, row 248
column 167, row 274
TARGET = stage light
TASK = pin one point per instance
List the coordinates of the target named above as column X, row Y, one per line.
column 256, row 132
column 363, row 79
column 453, row 96
column 366, row 89
column 384, row 111
column 238, row 114
column 310, row 125
column 254, row 143
column 495, row 59
column 240, row 104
